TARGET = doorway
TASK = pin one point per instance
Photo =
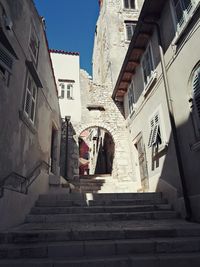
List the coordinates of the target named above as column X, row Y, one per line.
column 142, row 161
column 96, row 151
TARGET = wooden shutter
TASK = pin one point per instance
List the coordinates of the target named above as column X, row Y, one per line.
column 155, row 128
column 196, row 92
column 129, row 31
column 6, row 61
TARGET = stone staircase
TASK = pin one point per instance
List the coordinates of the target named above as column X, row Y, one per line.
column 107, row 230
column 89, row 183
column 101, row 183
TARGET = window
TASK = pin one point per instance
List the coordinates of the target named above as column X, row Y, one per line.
column 66, row 90
column 34, row 44
column 62, row 92
column 131, row 98
column 30, row 99
column 69, row 91
column 130, row 28
column 155, row 133
column 183, row 9
column 6, row 63
column 196, row 97
column 147, row 65
column 129, row 4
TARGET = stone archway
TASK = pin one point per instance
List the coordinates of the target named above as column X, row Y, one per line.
column 96, row 151
column 122, row 177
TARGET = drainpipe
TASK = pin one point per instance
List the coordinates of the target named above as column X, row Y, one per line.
column 67, row 119
column 173, row 125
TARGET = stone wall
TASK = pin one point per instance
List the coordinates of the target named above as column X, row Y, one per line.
column 110, row 46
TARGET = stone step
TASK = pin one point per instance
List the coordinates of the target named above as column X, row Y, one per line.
column 88, row 181
column 136, row 196
column 73, row 231
column 61, row 203
column 105, row 248
column 120, row 202
column 89, row 188
column 102, row 196
column 62, row 197
column 86, row 217
column 98, row 209
column 143, row 260
column 94, row 176
column 123, row 202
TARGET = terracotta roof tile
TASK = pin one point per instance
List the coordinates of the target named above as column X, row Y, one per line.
column 64, row 52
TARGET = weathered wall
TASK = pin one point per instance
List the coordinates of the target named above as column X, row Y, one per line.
column 110, row 44
column 180, row 66
column 24, row 144
column 113, row 122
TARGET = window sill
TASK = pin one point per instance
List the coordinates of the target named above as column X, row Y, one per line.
column 150, row 83
column 195, row 147
column 27, row 122
column 133, row 10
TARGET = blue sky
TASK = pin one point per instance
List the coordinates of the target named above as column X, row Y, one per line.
column 71, row 26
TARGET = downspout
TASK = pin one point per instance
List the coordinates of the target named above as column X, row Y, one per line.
column 173, row 125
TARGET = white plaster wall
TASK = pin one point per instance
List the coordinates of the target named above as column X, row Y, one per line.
column 180, row 64
column 67, row 66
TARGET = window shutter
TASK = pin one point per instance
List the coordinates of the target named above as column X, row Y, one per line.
column 62, row 95
column 5, row 60
column 154, row 133
column 151, row 133
column 129, row 31
column 188, row 5
column 183, row 8
column 179, row 13
column 196, row 93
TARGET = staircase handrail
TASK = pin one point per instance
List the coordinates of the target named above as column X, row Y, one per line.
column 20, row 183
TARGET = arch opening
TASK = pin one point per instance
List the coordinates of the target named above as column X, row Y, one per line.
column 96, row 151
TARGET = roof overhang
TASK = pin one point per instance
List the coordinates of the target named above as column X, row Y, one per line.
column 150, row 12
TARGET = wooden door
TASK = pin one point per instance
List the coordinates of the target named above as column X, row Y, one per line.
column 142, row 164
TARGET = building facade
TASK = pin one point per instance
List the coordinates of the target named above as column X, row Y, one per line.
column 98, row 109
column 29, row 111
column 159, row 88
column 66, row 67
